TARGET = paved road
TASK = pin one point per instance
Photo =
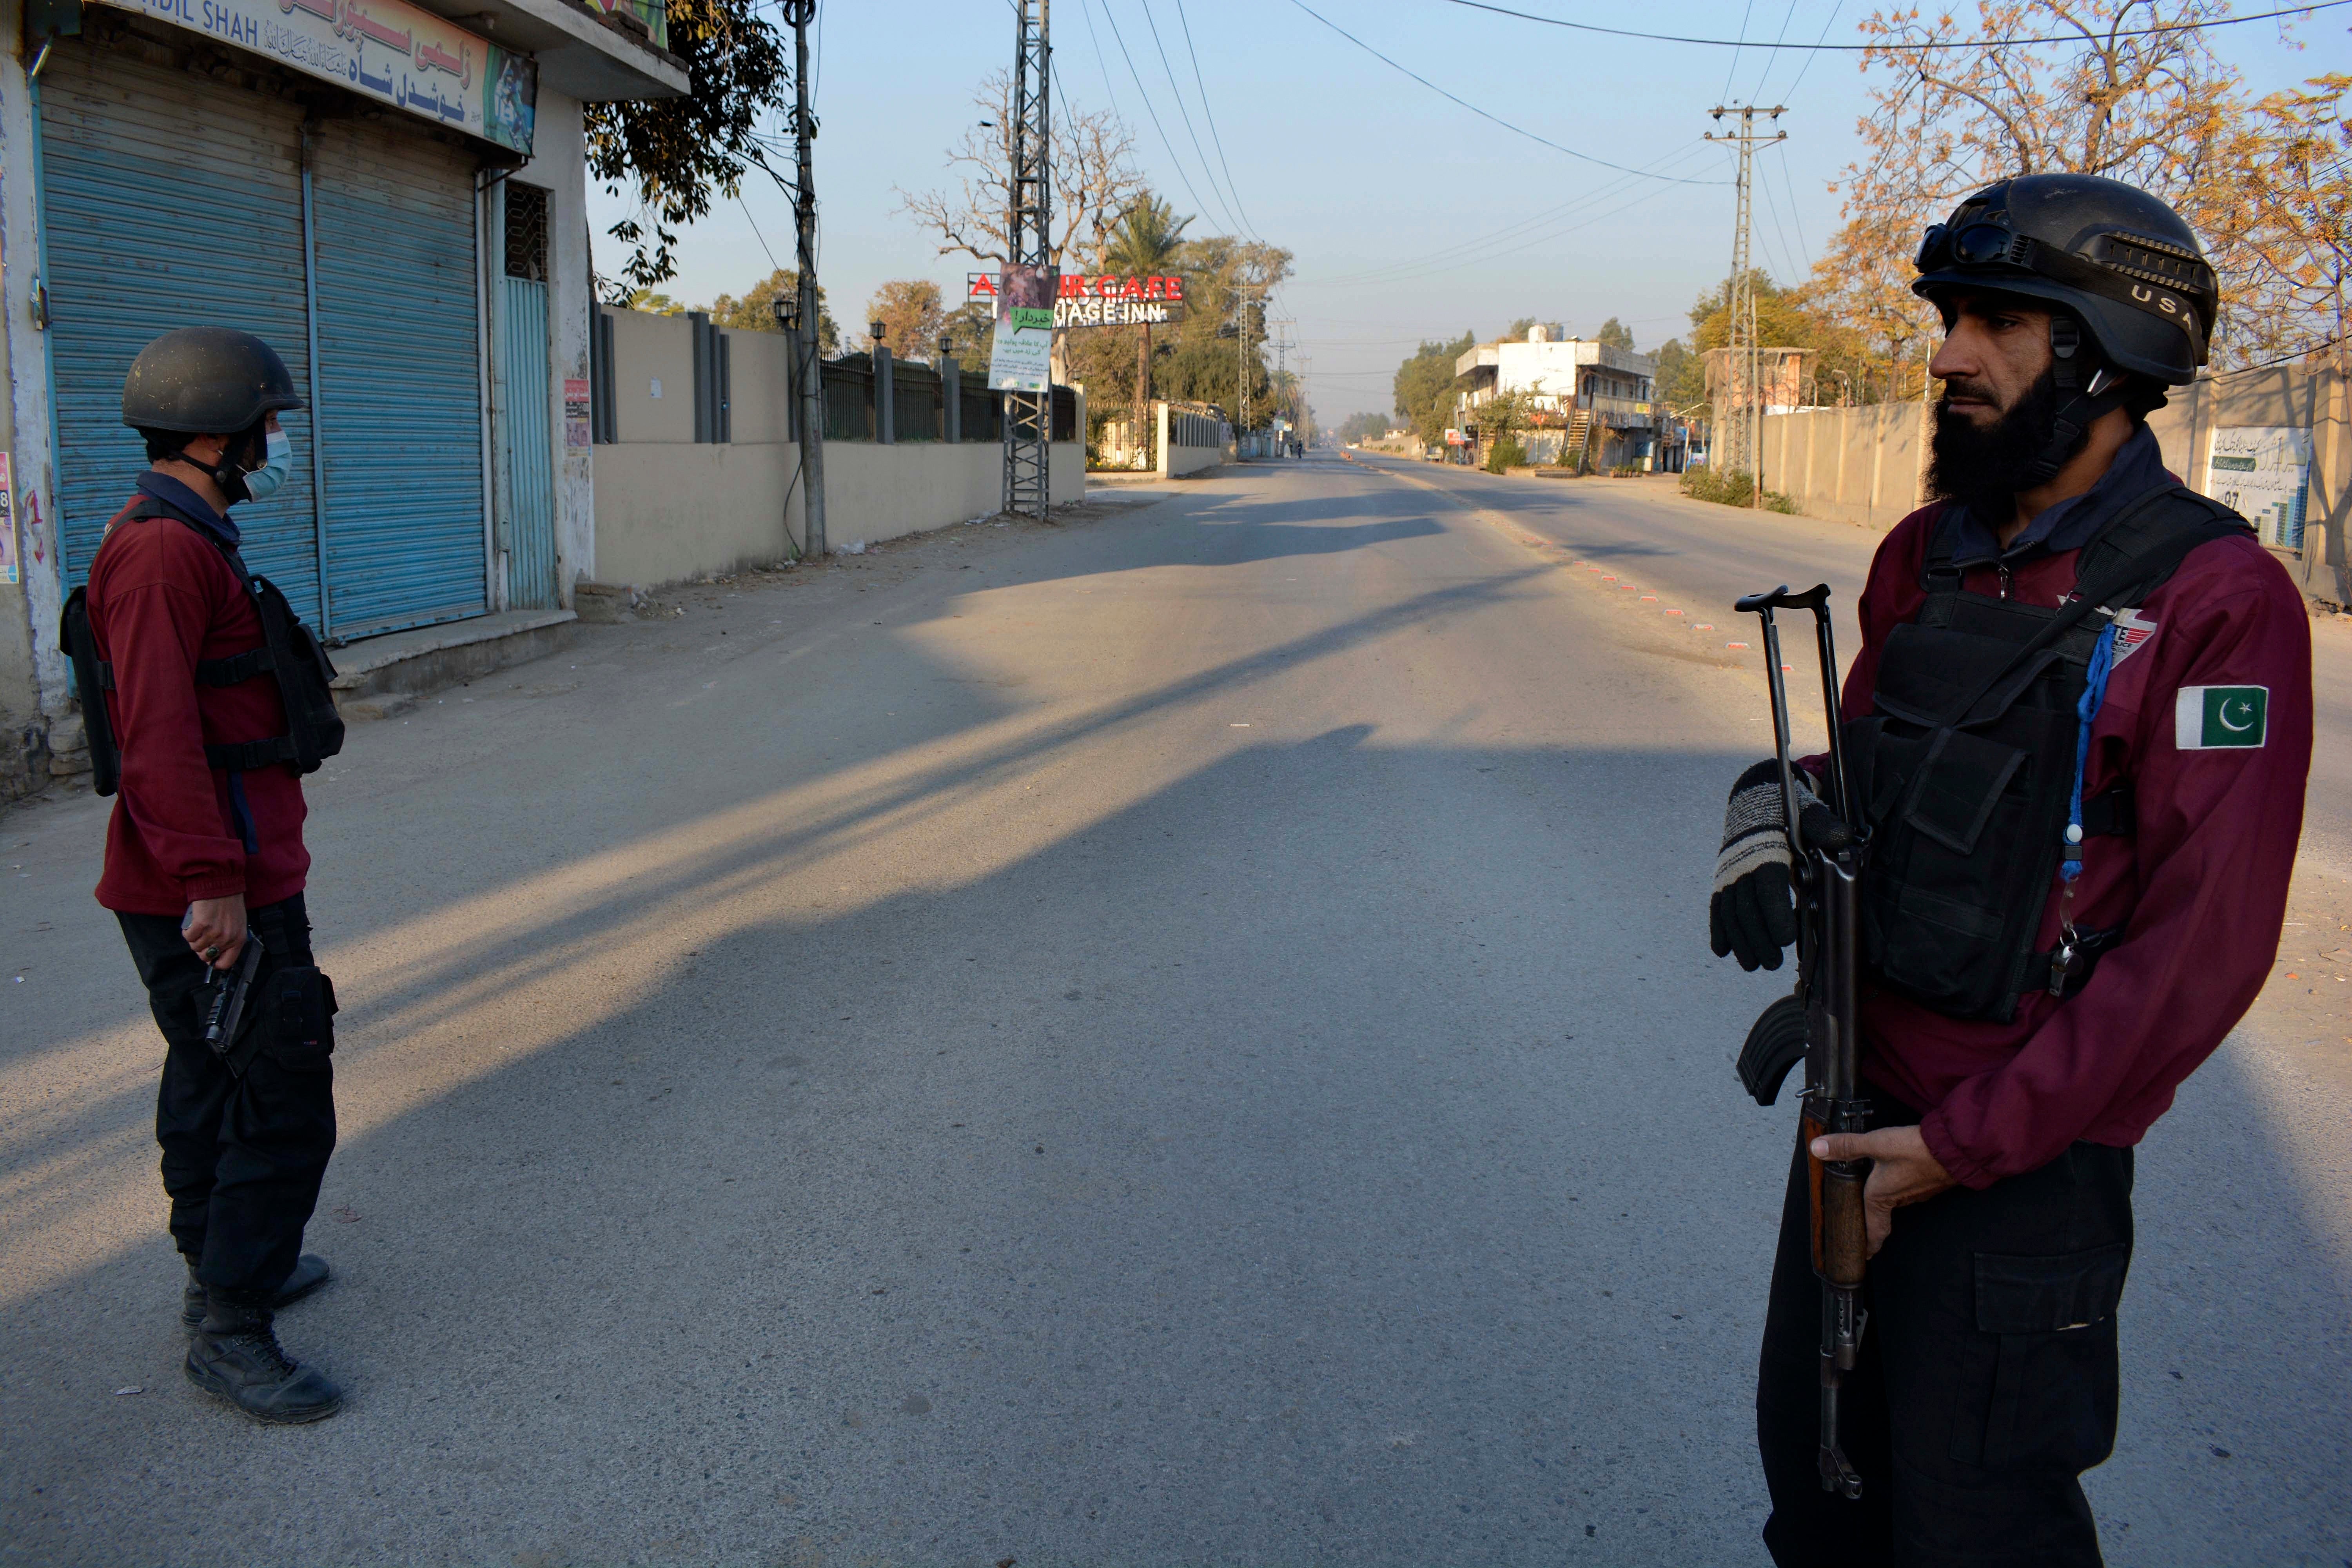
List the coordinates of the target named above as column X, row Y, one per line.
column 1181, row 1038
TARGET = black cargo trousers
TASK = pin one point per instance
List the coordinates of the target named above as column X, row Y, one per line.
column 243, row 1157
column 1987, row 1381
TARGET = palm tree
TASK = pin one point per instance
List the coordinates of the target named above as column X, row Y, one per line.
column 1143, row 244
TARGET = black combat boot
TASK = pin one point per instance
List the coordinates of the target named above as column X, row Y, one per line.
column 309, row 1273
column 235, row 1356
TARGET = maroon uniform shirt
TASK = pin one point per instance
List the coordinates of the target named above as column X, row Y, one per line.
column 2200, row 887
column 163, row 597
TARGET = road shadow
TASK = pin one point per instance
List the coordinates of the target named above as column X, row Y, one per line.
column 1243, row 1176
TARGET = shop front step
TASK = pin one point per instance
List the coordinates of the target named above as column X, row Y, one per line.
column 377, row 677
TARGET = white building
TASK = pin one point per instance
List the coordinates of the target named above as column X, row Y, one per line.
column 1589, row 398
column 392, row 193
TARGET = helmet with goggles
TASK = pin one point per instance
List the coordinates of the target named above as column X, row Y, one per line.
column 2121, row 262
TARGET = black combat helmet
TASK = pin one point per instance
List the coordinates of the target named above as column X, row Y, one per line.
column 205, row 381
column 2120, row 260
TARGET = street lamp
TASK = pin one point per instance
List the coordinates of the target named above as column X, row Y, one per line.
column 787, row 312
column 875, row 329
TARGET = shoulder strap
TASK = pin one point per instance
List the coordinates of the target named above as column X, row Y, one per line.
column 2135, row 552
column 2141, row 547
column 1938, row 571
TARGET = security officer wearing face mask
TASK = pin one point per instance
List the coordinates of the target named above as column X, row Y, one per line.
column 205, row 701
column 2077, row 729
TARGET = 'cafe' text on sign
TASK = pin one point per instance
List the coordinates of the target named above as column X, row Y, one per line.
column 1101, row 300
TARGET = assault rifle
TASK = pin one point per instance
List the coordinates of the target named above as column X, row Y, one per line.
column 1819, row 1022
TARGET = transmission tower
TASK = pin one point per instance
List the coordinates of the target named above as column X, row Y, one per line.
column 1740, row 423
column 1281, row 388
column 1029, row 193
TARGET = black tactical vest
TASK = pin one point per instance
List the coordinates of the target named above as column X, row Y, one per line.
column 288, row 653
column 1965, row 768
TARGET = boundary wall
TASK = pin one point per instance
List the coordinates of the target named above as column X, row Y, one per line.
column 670, row 507
column 1867, row 465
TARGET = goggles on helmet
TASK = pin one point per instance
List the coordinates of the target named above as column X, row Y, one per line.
column 1970, row 245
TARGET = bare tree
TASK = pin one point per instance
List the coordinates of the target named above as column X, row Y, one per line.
column 2296, row 237
column 2159, row 110
column 1095, row 180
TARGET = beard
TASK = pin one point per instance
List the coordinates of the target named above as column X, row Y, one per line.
column 1983, row 468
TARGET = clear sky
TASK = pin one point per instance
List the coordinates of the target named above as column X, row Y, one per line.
column 1409, row 215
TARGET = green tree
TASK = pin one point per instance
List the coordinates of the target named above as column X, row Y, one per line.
column 913, row 320
column 1143, row 243
column 647, row 303
column 970, row 331
column 1424, row 387
column 1681, row 376
column 1198, row 359
column 756, row 310
column 1365, row 427
column 1517, row 330
column 677, row 153
column 1500, row 419
column 1616, row 334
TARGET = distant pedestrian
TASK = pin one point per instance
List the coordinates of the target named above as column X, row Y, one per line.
column 2078, row 731
column 206, row 701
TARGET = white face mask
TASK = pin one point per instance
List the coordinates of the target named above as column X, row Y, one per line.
column 276, row 468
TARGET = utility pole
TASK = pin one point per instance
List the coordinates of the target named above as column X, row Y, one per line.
column 1240, row 356
column 1029, row 195
column 1745, row 361
column 808, row 349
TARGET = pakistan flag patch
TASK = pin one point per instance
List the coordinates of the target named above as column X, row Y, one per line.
column 2216, row 718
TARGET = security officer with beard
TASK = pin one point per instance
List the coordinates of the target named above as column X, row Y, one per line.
column 2083, row 827
column 206, row 701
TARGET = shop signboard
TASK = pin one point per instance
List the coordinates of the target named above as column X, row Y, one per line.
column 1100, row 300
column 388, row 50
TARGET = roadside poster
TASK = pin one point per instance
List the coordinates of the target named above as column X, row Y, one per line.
column 1021, row 354
column 577, row 433
column 8, row 573
column 2264, row 473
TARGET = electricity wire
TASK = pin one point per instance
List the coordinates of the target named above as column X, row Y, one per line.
column 1815, row 53
column 1497, row 119
column 1773, row 53
column 1796, row 219
column 1860, row 48
column 1207, row 173
column 1733, row 70
column 1470, row 251
column 1209, row 115
column 1112, row 17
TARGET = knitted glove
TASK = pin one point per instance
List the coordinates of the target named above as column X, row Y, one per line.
column 1752, row 915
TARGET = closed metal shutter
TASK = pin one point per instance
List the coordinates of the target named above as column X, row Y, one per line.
column 167, row 201
column 529, row 435
column 400, row 380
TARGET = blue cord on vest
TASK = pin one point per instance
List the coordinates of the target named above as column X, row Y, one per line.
column 243, row 811
column 2095, row 692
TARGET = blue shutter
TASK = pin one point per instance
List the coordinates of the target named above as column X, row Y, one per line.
column 400, row 388
column 167, row 200
column 531, row 439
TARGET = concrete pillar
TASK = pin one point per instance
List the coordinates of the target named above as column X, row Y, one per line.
column 950, row 399
column 1160, row 413
column 886, row 424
